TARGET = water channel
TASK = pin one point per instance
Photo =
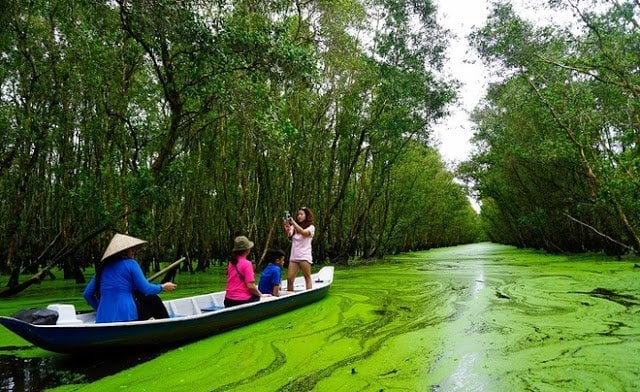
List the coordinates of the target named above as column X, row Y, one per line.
column 479, row 317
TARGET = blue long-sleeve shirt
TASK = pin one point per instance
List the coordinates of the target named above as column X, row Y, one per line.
column 119, row 280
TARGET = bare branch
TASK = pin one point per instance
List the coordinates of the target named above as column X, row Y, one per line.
column 625, row 246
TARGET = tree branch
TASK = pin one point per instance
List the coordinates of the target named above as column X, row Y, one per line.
column 631, row 248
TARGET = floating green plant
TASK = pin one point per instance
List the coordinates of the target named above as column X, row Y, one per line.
column 480, row 317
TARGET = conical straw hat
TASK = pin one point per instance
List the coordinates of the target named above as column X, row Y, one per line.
column 121, row 242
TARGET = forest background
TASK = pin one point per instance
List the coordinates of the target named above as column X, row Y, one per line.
column 557, row 160
column 187, row 123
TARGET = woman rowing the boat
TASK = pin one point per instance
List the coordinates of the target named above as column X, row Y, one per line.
column 118, row 276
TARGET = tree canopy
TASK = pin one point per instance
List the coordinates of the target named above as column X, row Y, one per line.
column 558, row 159
column 190, row 122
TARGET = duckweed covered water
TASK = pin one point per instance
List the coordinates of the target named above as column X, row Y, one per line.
column 481, row 317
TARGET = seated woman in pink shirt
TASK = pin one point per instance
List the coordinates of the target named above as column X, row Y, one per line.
column 241, row 283
column 301, row 231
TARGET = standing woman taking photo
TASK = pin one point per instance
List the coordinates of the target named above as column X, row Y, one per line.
column 301, row 231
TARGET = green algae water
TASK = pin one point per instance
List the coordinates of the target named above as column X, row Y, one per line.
column 480, row 317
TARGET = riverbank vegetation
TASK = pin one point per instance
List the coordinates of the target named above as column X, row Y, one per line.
column 558, row 159
column 187, row 123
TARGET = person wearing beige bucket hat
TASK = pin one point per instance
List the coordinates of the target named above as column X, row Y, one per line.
column 241, row 284
column 118, row 276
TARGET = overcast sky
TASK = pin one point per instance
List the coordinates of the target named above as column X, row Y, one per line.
column 461, row 17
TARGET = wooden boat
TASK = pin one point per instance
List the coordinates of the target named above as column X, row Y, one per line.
column 191, row 318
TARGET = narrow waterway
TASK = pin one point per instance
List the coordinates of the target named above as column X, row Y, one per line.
column 480, row 317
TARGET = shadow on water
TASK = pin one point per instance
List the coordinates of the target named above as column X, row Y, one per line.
column 610, row 295
column 36, row 374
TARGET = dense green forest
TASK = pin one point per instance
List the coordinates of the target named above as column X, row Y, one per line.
column 189, row 122
column 557, row 164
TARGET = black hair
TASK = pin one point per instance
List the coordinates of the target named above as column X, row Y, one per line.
column 99, row 269
column 102, row 264
column 273, row 255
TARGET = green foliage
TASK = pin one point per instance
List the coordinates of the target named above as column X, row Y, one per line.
column 190, row 122
column 557, row 166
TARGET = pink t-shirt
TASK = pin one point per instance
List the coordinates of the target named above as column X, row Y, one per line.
column 236, row 287
column 301, row 246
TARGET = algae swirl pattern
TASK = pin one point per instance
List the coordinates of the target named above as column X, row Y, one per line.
column 480, row 317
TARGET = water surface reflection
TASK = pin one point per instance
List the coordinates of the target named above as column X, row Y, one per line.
column 36, row 374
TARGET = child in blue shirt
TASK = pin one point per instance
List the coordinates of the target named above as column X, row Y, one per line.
column 270, row 279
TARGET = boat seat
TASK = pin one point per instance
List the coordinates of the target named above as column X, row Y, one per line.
column 209, row 303
column 183, row 307
column 66, row 314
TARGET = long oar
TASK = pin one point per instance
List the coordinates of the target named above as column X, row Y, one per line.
column 166, row 269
